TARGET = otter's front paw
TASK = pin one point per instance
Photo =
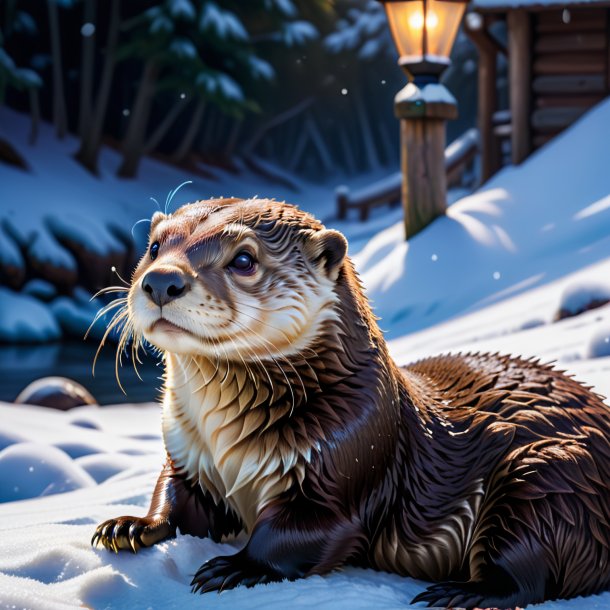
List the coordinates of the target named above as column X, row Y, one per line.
column 227, row 572
column 131, row 533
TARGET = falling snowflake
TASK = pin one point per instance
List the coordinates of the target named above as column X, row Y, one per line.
column 182, row 96
column 87, row 30
column 343, row 91
column 125, row 111
column 434, row 257
column 496, row 275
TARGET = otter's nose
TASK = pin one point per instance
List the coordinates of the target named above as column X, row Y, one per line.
column 164, row 286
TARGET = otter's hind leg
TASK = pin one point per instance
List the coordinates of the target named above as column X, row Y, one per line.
column 177, row 503
column 544, row 535
column 510, row 572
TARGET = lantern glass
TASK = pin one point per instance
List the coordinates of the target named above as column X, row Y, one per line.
column 424, row 28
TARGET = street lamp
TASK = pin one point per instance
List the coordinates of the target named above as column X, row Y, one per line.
column 424, row 32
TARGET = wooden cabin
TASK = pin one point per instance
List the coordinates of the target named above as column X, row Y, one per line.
column 558, row 67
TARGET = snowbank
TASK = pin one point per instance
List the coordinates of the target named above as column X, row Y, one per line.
column 527, row 226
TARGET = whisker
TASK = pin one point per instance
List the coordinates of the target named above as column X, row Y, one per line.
column 171, row 195
column 114, row 270
column 103, row 311
column 109, row 290
column 135, row 224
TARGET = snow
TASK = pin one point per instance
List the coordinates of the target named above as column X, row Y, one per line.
column 23, row 318
column 9, row 252
column 532, row 224
column 182, row 48
column 577, row 297
column 428, row 94
column 182, row 9
column 364, row 29
column 285, row 7
column 45, row 556
column 259, row 68
column 296, row 33
column 223, row 23
column 30, row 470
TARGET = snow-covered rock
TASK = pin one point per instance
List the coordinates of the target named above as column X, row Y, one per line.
column 40, row 289
column 24, row 319
column 599, row 347
column 30, row 470
column 582, row 296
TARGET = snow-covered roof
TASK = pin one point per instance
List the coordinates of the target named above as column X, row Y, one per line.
column 533, row 5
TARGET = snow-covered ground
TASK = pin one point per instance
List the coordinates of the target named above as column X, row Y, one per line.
column 493, row 275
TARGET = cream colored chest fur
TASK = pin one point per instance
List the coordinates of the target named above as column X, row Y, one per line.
column 213, row 417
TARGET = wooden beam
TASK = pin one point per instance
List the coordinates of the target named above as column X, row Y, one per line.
column 552, row 119
column 487, row 98
column 577, row 16
column 519, row 70
column 569, row 84
column 585, row 27
column 565, row 101
column 608, row 50
column 571, row 63
column 570, row 42
column 424, row 190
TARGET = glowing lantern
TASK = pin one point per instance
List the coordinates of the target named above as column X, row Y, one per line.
column 424, row 32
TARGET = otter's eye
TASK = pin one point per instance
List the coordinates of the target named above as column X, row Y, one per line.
column 243, row 263
column 154, row 251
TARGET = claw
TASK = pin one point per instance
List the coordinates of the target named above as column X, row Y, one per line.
column 131, row 537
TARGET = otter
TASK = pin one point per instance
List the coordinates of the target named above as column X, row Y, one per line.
column 284, row 416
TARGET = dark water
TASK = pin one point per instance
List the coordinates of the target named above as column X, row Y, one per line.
column 19, row 365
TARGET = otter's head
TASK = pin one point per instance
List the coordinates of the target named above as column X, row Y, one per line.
column 243, row 279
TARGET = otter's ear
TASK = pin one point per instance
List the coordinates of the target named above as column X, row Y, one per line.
column 327, row 248
column 156, row 219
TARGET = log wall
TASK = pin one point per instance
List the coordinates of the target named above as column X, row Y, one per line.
column 570, row 70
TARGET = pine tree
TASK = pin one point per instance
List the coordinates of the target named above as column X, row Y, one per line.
column 11, row 76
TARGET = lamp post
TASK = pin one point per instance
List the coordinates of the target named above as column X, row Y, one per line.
column 423, row 32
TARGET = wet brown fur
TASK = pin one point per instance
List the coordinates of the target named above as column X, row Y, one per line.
column 487, row 474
